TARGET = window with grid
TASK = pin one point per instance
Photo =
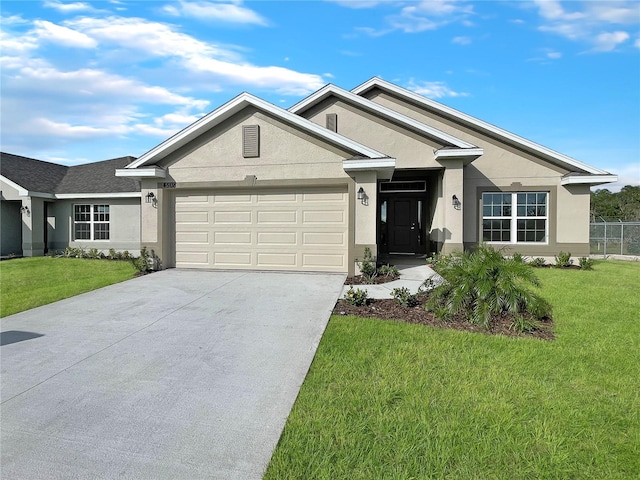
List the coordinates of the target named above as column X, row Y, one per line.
column 526, row 223
column 91, row 222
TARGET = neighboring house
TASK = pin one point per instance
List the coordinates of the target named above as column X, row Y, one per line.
column 46, row 206
column 253, row 186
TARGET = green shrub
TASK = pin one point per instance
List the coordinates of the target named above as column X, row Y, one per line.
column 538, row 262
column 517, row 257
column 481, row 284
column 586, row 263
column 388, row 271
column 563, row 260
column 404, row 297
column 142, row 263
column 522, row 324
column 367, row 266
column 356, row 297
column 92, row 254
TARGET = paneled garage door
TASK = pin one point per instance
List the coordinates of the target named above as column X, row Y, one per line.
column 267, row 230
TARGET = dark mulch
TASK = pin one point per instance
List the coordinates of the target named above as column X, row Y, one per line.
column 388, row 309
column 360, row 280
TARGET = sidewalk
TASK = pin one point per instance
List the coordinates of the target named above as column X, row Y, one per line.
column 411, row 277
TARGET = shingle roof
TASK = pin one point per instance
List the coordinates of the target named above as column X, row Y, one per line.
column 45, row 177
column 31, row 174
column 98, row 177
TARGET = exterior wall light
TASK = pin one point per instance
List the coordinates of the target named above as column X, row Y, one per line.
column 151, row 198
column 455, row 202
column 25, row 209
column 362, row 196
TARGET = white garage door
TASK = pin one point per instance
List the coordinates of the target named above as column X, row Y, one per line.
column 266, row 230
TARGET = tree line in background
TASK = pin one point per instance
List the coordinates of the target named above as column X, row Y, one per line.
column 616, row 206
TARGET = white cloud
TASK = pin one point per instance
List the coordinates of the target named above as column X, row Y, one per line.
column 590, row 22
column 434, row 89
column 69, row 7
column 217, row 11
column 627, row 175
column 63, row 35
column 605, row 42
column 216, row 63
column 416, row 16
column 357, row 3
column 637, row 43
column 461, row 40
column 554, row 55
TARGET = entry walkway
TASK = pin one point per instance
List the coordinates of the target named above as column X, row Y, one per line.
column 412, row 276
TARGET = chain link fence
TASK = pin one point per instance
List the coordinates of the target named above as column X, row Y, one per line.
column 614, row 238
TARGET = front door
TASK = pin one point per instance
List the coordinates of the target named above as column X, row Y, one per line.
column 405, row 229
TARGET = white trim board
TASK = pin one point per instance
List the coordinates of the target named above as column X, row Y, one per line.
column 232, row 107
column 478, row 124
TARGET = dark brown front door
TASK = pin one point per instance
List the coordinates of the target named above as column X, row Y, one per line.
column 405, row 225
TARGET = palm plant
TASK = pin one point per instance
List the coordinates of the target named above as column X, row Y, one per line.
column 481, row 284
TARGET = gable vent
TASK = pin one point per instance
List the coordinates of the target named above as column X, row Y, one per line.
column 332, row 122
column 250, row 141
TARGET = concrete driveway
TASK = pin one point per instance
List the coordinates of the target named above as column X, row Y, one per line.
column 178, row 375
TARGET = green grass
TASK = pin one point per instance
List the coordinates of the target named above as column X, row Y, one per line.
column 386, row 400
column 30, row 282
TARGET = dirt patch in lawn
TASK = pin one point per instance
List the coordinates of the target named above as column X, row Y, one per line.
column 388, row 309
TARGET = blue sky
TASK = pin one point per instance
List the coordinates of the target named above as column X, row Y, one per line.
column 92, row 80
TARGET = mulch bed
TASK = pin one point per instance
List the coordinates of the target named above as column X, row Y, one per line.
column 388, row 309
column 360, row 280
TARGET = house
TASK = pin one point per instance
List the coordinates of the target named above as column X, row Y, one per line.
column 254, row 186
column 46, row 206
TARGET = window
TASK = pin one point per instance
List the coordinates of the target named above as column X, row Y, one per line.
column 526, row 223
column 91, row 222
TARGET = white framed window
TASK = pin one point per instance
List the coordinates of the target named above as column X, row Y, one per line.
column 90, row 222
column 515, row 217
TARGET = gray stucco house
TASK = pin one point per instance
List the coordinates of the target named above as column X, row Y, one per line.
column 46, row 206
column 254, row 186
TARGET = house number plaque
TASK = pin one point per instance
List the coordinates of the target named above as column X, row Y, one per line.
column 168, row 185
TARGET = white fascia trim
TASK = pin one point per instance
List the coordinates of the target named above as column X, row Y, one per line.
column 65, row 196
column 459, row 153
column 487, row 127
column 22, row 192
column 384, row 167
column 155, row 172
column 588, row 179
column 331, row 89
column 230, row 108
column 369, row 164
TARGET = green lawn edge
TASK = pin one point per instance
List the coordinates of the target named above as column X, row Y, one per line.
column 386, row 400
column 26, row 283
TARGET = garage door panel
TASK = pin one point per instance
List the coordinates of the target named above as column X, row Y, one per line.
column 192, row 237
column 195, row 259
column 277, row 238
column 324, row 238
column 277, row 198
column 192, row 217
column 324, row 216
column 285, row 260
column 238, row 216
column 230, row 259
column 323, row 260
column 324, row 197
column 232, row 238
column 304, row 229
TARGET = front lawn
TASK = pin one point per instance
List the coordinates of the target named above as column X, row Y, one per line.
column 30, row 282
column 390, row 400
